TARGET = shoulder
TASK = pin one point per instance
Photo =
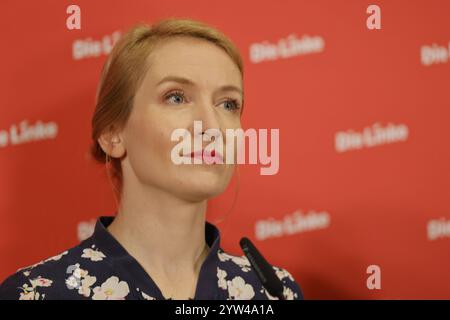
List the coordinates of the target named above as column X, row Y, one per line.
column 62, row 276
column 236, row 274
column 34, row 282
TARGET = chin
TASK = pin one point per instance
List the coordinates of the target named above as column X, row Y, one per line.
column 204, row 186
column 207, row 190
column 201, row 182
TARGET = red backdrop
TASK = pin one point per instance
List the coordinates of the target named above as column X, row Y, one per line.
column 364, row 175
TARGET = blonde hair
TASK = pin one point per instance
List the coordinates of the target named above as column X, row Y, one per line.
column 124, row 70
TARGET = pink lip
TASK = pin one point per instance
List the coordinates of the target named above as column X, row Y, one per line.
column 203, row 155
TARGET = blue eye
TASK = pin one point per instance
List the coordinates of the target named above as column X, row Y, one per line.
column 231, row 105
column 177, row 97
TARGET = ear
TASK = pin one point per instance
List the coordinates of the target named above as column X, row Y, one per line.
column 112, row 144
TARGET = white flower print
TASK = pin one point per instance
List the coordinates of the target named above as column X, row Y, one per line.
column 287, row 293
column 41, row 282
column 80, row 273
column 94, row 255
column 242, row 262
column 239, row 290
column 72, row 282
column 111, row 289
column 80, row 279
column 27, row 295
column 57, row 257
column 147, row 297
column 86, row 283
column 222, row 282
column 223, row 256
column 283, row 273
column 30, row 293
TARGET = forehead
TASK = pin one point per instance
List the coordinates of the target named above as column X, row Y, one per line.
column 197, row 59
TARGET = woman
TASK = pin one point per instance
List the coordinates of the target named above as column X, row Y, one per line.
column 159, row 245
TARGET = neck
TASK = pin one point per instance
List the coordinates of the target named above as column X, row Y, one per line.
column 165, row 234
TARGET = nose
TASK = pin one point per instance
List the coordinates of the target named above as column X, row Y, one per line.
column 207, row 113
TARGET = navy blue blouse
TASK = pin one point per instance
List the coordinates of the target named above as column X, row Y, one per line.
column 100, row 268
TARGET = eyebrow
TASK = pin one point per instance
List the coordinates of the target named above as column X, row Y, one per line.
column 189, row 82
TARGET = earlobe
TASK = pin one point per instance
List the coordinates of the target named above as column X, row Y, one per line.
column 111, row 145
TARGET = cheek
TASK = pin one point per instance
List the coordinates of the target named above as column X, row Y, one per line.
column 148, row 142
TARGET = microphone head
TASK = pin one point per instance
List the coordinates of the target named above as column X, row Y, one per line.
column 264, row 269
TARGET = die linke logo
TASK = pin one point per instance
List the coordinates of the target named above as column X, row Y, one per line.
column 375, row 135
column 24, row 132
column 288, row 47
column 438, row 229
column 92, row 48
column 296, row 222
column 434, row 54
column 214, row 152
column 88, row 48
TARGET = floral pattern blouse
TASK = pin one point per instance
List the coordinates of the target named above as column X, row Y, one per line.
column 100, row 268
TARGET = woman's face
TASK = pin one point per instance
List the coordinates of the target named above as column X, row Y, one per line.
column 201, row 88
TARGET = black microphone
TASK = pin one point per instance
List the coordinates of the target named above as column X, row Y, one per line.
column 264, row 270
